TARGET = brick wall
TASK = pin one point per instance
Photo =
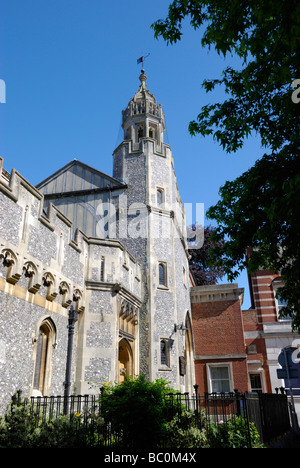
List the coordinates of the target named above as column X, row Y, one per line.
column 262, row 293
column 218, row 333
column 255, row 344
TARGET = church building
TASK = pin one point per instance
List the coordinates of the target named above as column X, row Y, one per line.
column 97, row 264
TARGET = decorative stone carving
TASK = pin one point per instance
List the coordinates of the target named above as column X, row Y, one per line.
column 128, row 317
column 77, row 298
column 64, row 290
column 30, row 272
column 49, row 282
column 10, row 261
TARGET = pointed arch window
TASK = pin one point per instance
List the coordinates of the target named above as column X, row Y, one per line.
column 45, row 342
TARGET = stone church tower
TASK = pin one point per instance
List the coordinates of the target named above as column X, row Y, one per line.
column 153, row 230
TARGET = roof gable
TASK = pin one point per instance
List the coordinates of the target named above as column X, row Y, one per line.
column 77, row 176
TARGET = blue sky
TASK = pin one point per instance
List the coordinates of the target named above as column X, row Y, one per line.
column 70, row 67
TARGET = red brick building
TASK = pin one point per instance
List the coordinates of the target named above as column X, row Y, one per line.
column 220, row 352
column 239, row 349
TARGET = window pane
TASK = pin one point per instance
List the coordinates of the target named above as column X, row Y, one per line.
column 102, row 270
column 159, row 197
column 281, row 301
column 162, row 276
column 255, row 383
column 219, row 372
column 163, row 352
column 219, row 379
column 220, row 386
column 281, row 304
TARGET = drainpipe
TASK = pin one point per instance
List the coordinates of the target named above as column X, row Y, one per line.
column 73, row 317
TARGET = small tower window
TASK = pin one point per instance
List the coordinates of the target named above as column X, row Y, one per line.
column 164, row 352
column 162, row 274
column 102, row 269
column 140, row 132
column 159, row 197
column 128, row 133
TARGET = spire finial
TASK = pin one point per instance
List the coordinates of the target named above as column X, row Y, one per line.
column 143, row 79
column 142, row 76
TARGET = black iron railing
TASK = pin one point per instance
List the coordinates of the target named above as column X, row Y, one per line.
column 268, row 412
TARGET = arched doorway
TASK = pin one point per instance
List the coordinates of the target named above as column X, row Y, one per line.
column 125, row 359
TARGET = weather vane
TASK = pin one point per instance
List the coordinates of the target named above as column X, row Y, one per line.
column 141, row 59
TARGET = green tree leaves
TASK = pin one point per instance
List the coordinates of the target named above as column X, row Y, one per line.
column 260, row 209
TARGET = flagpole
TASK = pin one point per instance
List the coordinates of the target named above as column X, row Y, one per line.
column 141, row 59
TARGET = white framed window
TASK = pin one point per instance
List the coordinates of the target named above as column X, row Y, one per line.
column 219, row 377
column 256, row 382
column 279, row 301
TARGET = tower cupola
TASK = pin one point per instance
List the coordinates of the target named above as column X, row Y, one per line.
column 143, row 117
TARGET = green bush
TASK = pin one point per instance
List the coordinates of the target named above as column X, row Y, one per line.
column 16, row 428
column 183, row 432
column 138, row 410
column 134, row 414
column 21, row 429
column 233, row 433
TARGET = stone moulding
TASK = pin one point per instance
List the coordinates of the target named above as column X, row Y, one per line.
column 37, row 275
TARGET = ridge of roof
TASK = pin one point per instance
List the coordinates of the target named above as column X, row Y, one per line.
column 80, row 163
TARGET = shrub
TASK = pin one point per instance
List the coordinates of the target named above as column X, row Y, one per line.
column 21, row 429
column 135, row 414
column 234, row 433
column 183, row 432
column 137, row 409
